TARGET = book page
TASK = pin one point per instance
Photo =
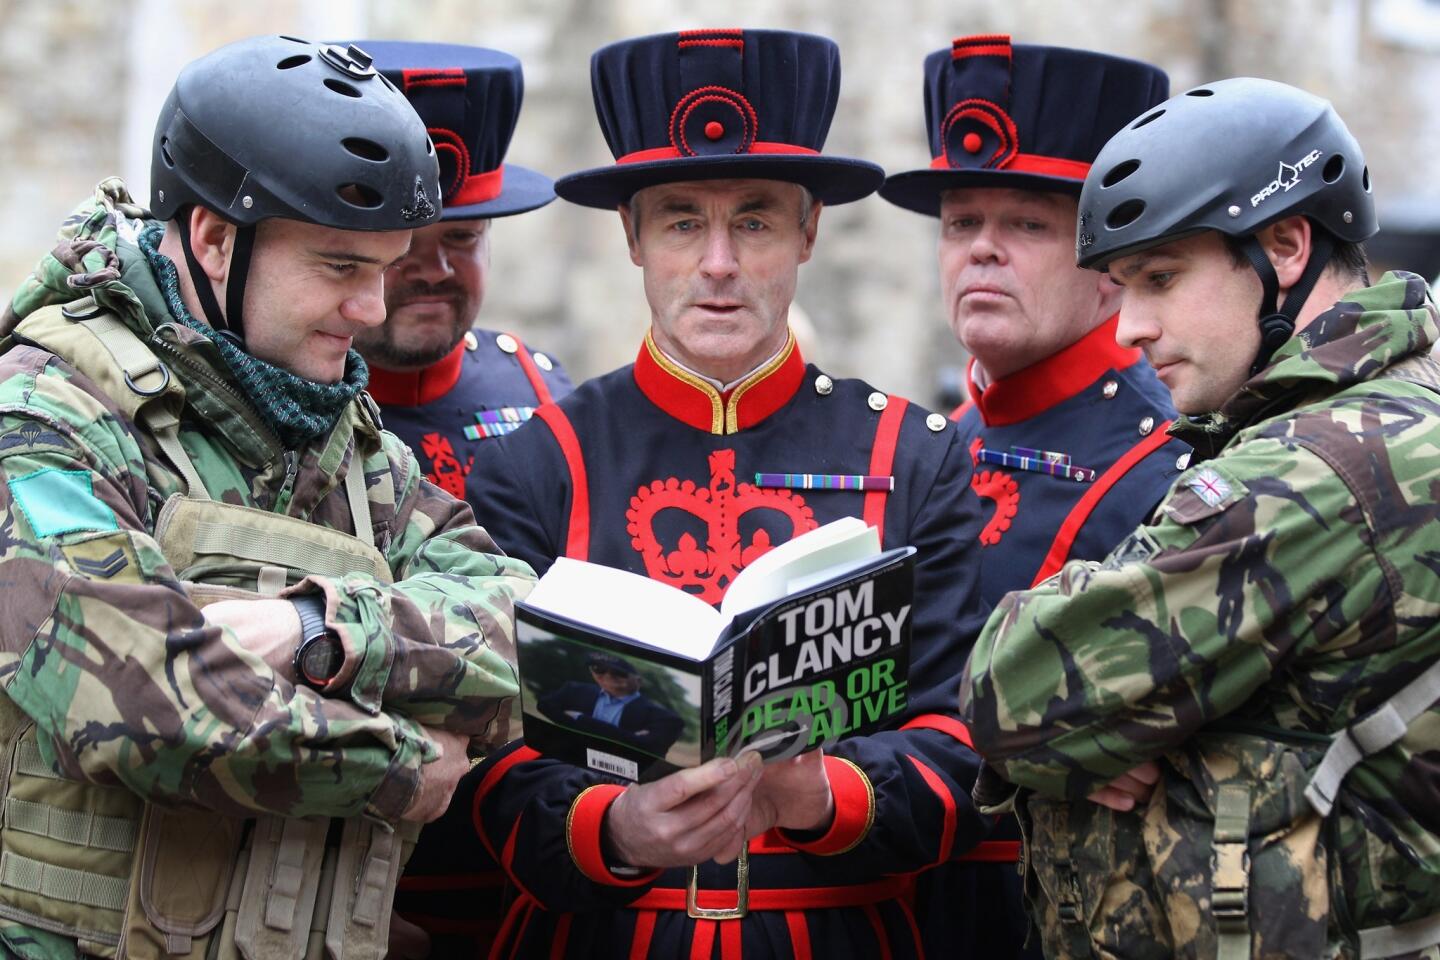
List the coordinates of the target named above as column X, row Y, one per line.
column 825, row 550
column 630, row 605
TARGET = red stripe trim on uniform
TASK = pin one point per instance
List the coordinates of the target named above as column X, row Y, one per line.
column 959, row 412
column 993, row 44
column 1065, row 539
column 1024, row 163
column 508, row 927
column 799, row 934
column 410, row 388
column 713, row 32
column 577, row 536
column 454, row 881
column 790, row 898
column 507, row 858
column 493, row 777
column 878, row 925
column 644, row 933
column 737, row 44
column 914, row 928
column 730, row 948
column 993, row 851
column 478, row 187
column 671, row 153
column 995, row 50
column 532, row 372
column 562, row 934
column 582, row 836
column 882, row 461
column 702, row 940
column 947, row 800
column 946, row 725
column 854, row 810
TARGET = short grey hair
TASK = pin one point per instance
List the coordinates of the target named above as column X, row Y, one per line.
column 807, row 204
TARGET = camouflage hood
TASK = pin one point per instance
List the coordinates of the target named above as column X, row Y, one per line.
column 86, row 260
column 1356, row 340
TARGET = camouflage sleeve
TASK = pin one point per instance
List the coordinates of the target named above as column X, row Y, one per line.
column 437, row 645
column 1251, row 560
column 103, row 651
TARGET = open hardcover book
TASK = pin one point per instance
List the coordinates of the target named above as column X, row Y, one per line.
column 635, row 678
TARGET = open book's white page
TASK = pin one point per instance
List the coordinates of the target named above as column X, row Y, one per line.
column 818, row 555
column 635, row 607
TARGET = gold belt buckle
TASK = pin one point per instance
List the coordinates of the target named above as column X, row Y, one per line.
column 742, row 893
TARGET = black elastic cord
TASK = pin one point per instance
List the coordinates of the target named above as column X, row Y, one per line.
column 239, row 274
column 1278, row 324
column 199, row 279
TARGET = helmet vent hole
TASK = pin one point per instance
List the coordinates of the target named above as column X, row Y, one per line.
column 341, row 87
column 1200, row 92
column 290, row 63
column 1148, row 118
column 1333, row 168
column 294, row 39
column 1365, row 179
column 429, row 146
column 359, row 195
column 165, row 152
column 1120, row 172
column 1125, row 214
column 366, row 149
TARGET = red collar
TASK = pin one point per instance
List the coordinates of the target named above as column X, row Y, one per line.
column 695, row 402
column 1057, row 378
column 410, row 388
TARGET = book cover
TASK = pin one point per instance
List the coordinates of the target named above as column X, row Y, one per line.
column 636, row 679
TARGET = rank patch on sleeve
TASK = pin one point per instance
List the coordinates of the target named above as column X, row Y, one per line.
column 60, row 501
column 106, row 557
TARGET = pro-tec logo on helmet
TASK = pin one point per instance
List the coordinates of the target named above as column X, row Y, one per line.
column 421, row 208
column 1288, row 176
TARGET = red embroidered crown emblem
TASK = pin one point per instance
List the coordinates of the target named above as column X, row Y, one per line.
column 707, row 571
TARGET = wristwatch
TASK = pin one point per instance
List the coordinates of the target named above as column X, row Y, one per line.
column 318, row 656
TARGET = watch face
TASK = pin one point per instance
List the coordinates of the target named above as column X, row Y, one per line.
column 321, row 659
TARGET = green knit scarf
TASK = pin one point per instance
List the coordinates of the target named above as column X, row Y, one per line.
column 297, row 409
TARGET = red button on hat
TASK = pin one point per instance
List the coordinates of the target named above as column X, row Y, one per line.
column 971, row 143
column 714, row 130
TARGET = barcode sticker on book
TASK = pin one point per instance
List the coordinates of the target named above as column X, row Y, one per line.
column 609, row 763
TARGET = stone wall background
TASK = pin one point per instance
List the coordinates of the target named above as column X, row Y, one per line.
column 80, row 84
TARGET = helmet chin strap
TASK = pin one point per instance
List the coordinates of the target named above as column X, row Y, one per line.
column 1276, row 326
column 231, row 321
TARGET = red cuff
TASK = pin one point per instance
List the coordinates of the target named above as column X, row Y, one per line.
column 854, row 810
column 582, row 836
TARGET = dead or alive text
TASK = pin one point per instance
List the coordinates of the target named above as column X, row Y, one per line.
column 868, row 693
column 831, row 630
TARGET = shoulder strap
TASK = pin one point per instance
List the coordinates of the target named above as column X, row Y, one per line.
column 98, row 344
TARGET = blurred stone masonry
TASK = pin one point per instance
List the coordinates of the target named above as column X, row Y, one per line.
column 80, row 85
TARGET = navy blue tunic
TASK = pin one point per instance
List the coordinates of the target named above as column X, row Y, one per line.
column 651, row 470
column 438, row 411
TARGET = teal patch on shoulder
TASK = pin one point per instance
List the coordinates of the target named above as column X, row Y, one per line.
column 61, row 501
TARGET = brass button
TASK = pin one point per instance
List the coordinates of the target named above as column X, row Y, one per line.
column 1146, row 426
column 543, row 362
column 823, row 385
column 470, row 342
column 1110, row 389
column 1182, row 462
column 935, row 422
column 507, row 343
column 878, row 401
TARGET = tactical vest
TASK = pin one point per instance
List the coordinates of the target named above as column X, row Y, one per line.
column 128, row 879
column 1241, row 850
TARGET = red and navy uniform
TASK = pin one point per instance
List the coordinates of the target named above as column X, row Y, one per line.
column 652, row 470
column 458, row 899
column 1101, row 405
column 444, row 412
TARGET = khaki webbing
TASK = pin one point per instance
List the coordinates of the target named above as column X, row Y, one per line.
column 1402, row 938
column 63, row 883
column 165, row 428
column 1382, row 728
column 275, row 548
column 29, row 761
column 81, row 828
column 137, row 360
column 1230, row 883
column 359, row 502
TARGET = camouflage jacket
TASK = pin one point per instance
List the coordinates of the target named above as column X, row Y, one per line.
column 1266, row 606
column 103, row 649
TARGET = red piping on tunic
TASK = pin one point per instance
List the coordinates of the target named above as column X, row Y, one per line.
column 882, row 461
column 577, row 535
